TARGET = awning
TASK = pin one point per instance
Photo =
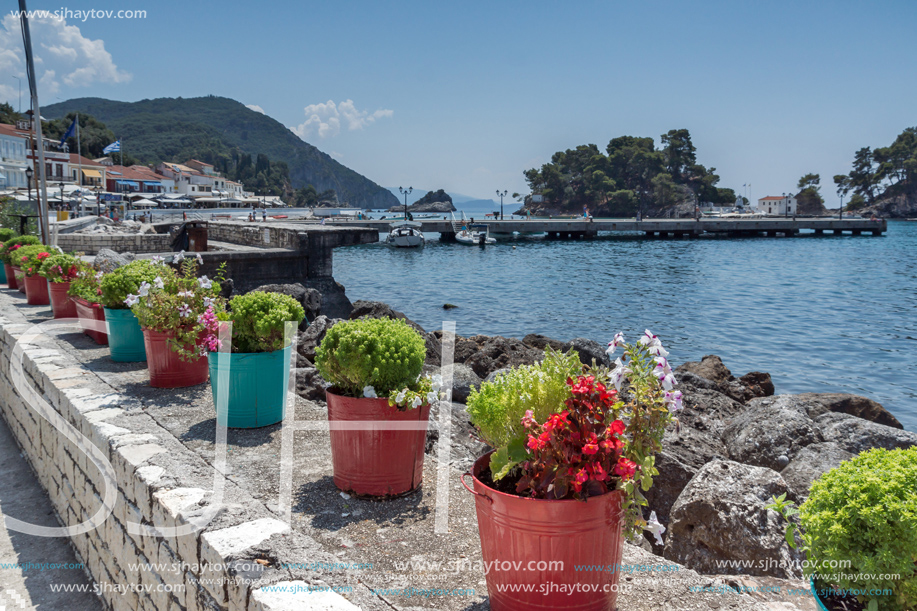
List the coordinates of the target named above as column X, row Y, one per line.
column 152, row 182
column 92, row 173
column 127, row 183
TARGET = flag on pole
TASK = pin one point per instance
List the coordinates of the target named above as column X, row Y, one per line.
column 69, row 133
column 114, row 147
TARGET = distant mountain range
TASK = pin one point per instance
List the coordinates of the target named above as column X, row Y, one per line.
column 466, row 202
column 165, row 128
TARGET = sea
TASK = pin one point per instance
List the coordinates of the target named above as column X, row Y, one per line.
column 819, row 313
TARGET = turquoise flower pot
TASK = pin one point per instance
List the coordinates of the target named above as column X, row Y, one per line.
column 257, row 387
column 3, row 274
column 125, row 338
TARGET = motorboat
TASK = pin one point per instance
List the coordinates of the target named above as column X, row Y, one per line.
column 477, row 234
column 406, row 234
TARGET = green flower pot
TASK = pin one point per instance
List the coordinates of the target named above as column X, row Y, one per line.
column 125, row 338
column 257, row 387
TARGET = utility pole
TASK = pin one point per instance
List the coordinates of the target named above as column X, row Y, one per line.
column 36, row 122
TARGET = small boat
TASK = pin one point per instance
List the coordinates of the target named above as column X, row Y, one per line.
column 406, row 234
column 279, row 216
column 475, row 234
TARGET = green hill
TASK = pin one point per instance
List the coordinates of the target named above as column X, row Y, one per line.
column 171, row 129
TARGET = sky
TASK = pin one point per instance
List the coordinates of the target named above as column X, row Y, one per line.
column 465, row 96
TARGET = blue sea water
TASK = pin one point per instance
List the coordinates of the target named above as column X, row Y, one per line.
column 819, row 313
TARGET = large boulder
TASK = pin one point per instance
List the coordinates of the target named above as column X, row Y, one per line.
column 501, row 352
column 758, row 384
column 309, row 299
column 770, row 432
column 463, row 380
column 811, row 463
column 673, row 476
column 108, row 260
column 313, row 336
column 310, row 384
column 856, row 435
column 720, row 524
column 854, row 405
column 588, row 351
column 533, row 340
column 710, row 367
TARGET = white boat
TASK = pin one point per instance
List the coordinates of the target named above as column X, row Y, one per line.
column 477, row 234
column 406, row 234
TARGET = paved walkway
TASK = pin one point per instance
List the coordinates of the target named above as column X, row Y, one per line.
column 22, row 497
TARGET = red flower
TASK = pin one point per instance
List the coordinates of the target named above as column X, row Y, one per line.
column 43, row 255
column 625, row 468
column 598, row 472
column 590, row 449
column 617, row 427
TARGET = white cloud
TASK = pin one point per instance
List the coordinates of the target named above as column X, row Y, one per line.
column 256, row 108
column 336, row 155
column 63, row 56
column 325, row 120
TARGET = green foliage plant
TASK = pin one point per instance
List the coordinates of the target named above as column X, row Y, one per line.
column 258, row 320
column 859, row 527
column 30, row 258
column 87, row 283
column 126, row 280
column 6, row 234
column 15, row 243
column 60, row 268
column 374, row 356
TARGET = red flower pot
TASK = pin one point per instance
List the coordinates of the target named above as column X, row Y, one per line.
column 20, row 277
column 380, row 461
column 10, row 276
column 537, row 544
column 167, row 370
column 88, row 312
column 61, row 304
column 36, row 290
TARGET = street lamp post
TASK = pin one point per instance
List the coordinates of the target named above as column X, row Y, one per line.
column 405, row 192
column 502, row 195
column 29, row 172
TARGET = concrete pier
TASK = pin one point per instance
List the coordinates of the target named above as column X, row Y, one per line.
column 591, row 228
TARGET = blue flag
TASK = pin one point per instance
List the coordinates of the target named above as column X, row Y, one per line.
column 114, row 147
column 69, row 133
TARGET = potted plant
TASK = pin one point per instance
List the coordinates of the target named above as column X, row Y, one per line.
column 125, row 338
column 60, row 270
column 859, row 531
column 572, row 455
column 30, row 260
column 5, row 234
column 170, row 310
column 10, row 266
column 259, row 364
column 374, row 367
column 86, row 292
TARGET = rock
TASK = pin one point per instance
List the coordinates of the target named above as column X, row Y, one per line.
column 589, row 351
column 721, row 516
column 463, row 380
column 687, row 381
column 856, row 435
column 226, row 288
column 770, row 427
column 465, row 445
column 335, row 303
column 493, row 375
column 310, row 384
column 497, row 353
column 854, row 405
column 108, row 260
column 758, row 383
column 309, row 299
column 673, row 476
column 710, row 367
column 449, row 306
column 378, row 309
column 313, row 336
column 811, row 463
column 783, row 461
column 533, row 340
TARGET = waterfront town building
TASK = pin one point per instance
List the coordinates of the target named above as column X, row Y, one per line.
column 777, row 204
column 13, row 160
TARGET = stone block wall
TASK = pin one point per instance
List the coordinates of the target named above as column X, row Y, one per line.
column 92, row 243
column 158, row 482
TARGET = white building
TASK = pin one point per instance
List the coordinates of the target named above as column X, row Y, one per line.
column 777, row 204
column 188, row 181
column 12, row 158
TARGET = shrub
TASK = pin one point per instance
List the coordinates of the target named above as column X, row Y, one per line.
column 15, row 243
column 126, row 280
column 386, row 354
column 60, row 268
column 258, row 320
column 87, row 283
column 865, row 512
column 30, row 258
column 6, row 234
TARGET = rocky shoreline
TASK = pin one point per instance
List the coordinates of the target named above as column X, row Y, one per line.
column 735, row 445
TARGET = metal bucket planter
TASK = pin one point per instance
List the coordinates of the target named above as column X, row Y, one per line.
column 167, row 370
column 10, row 277
column 376, row 461
column 3, row 273
column 534, row 542
column 125, row 337
column 91, row 312
column 36, row 290
column 61, row 304
column 19, row 276
column 258, row 384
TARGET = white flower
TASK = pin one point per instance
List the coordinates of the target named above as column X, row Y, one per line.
column 208, row 302
column 613, row 344
column 200, row 259
column 401, row 395
column 205, row 282
column 436, row 382
column 131, row 300
column 673, row 400
column 417, row 402
column 655, row 527
column 158, row 259
column 185, row 294
column 158, row 283
column 369, row 392
column 144, row 289
column 185, row 310
column 179, row 257
column 99, row 275
column 647, row 338
column 618, row 374
column 432, row 396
